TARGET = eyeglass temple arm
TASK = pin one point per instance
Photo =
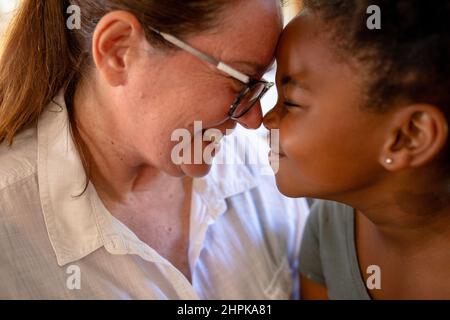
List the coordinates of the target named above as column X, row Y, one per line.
column 219, row 65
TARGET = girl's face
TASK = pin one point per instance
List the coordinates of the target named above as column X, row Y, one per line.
column 329, row 145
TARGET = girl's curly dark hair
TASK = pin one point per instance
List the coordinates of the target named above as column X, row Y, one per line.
column 408, row 59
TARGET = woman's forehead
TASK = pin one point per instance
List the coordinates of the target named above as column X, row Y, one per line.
column 251, row 39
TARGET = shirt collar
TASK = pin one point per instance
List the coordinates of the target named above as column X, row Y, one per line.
column 77, row 223
column 223, row 181
column 68, row 212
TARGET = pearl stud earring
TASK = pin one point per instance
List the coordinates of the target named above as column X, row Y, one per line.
column 389, row 161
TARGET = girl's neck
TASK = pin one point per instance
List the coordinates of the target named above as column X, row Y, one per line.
column 409, row 219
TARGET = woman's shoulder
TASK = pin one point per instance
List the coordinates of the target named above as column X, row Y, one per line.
column 19, row 160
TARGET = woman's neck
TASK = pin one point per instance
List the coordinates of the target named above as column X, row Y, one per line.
column 115, row 168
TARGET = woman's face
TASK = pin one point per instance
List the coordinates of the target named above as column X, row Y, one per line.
column 171, row 90
column 328, row 144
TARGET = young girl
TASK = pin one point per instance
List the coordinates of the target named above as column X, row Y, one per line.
column 363, row 116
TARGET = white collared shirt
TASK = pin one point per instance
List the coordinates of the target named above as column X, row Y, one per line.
column 55, row 244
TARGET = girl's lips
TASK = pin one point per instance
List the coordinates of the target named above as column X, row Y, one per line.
column 274, row 155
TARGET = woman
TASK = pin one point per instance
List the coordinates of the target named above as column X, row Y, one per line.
column 87, row 181
column 363, row 116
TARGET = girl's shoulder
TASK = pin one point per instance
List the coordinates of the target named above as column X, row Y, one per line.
column 331, row 215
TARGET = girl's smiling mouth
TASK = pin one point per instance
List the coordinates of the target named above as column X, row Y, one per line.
column 276, row 155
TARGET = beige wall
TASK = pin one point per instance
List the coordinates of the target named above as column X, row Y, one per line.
column 6, row 7
column 3, row 23
column 291, row 9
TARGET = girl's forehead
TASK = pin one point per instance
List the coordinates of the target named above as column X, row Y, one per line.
column 299, row 44
column 308, row 42
column 303, row 29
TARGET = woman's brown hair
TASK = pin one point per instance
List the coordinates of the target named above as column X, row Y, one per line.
column 41, row 56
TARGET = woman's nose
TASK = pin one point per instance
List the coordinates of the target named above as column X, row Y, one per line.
column 272, row 119
column 253, row 118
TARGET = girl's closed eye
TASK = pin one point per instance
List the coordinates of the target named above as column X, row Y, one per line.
column 292, row 105
column 289, row 104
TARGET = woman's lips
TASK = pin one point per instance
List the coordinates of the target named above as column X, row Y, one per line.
column 213, row 138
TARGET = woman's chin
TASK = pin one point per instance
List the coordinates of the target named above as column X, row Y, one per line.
column 195, row 170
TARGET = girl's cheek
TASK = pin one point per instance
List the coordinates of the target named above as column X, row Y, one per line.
column 289, row 126
column 288, row 136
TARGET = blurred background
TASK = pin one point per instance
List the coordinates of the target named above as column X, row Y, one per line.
column 6, row 9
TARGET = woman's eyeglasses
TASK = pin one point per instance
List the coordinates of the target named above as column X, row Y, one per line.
column 254, row 89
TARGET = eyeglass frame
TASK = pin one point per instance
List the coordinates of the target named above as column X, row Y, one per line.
column 248, row 81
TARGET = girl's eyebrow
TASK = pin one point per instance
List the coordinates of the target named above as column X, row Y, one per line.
column 288, row 80
column 285, row 80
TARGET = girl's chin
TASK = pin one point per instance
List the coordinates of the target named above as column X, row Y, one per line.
column 286, row 187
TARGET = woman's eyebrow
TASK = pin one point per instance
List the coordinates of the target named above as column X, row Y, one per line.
column 250, row 67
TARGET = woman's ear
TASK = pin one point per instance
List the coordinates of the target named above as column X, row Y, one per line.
column 416, row 135
column 114, row 37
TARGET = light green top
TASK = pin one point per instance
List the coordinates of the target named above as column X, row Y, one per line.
column 328, row 253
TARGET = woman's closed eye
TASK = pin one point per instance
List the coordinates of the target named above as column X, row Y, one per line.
column 236, row 85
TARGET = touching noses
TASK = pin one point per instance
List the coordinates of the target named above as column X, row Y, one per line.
column 272, row 119
column 253, row 118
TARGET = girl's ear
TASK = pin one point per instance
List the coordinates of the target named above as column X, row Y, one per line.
column 416, row 135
